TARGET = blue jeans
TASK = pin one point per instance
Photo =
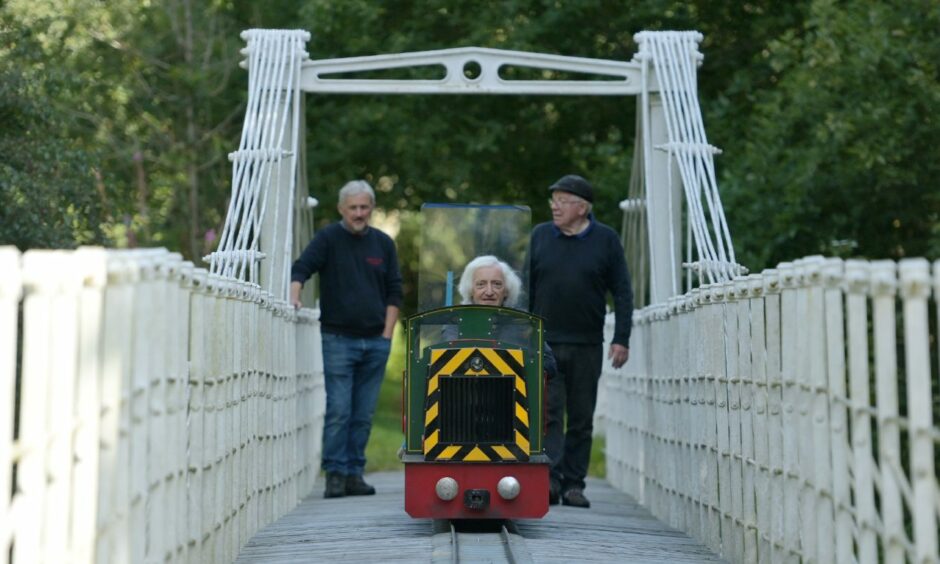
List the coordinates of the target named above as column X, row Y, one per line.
column 353, row 368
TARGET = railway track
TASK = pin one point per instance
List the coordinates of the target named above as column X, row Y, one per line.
column 477, row 542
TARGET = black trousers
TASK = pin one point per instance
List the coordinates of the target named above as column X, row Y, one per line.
column 573, row 390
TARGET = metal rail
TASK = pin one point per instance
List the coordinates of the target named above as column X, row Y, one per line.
column 478, row 541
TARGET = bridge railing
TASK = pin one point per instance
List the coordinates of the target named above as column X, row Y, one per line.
column 790, row 415
column 150, row 412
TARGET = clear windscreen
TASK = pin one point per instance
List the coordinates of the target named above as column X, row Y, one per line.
column 454, row 234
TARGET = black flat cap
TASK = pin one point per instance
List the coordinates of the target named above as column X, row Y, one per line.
column 574, row 184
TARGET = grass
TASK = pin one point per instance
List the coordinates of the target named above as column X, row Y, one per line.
column 386, row 437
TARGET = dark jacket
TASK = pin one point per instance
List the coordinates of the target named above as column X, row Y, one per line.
column 359, row 279
column 569, row 278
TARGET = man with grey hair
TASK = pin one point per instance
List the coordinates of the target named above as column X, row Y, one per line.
column 360, row 297
column 574, row 262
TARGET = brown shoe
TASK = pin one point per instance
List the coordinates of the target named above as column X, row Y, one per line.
column 575, row 498
column 335, row 485
column 355, row 485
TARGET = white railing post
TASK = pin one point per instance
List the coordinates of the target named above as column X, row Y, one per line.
column 884, row 294
column 841, row 480
column 761, row 480
column 915, row 289
column 197, row 485
column 789, row 356
column 10, row 293
column 818, row 441
column 179, row 377
column 748, row 393
column 735, row 487
column 714, row 399
column 804, row 326
column 690, row 429
column 857, row 287
column 775, row 452
column 93, row 265
column 50, row 333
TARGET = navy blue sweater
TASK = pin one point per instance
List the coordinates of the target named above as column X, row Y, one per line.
column 569, row 277
column 359, row 279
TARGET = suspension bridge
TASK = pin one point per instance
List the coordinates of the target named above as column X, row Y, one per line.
column 157, row 411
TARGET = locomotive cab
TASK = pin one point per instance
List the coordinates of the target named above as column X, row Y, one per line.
column 473, row 388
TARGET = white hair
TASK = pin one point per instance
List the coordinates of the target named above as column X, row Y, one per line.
column 510, row 278
column 354, row 188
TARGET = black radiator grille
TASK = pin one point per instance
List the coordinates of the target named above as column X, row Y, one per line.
column 477, row 409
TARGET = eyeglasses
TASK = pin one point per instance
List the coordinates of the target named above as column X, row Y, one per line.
column 559, row 203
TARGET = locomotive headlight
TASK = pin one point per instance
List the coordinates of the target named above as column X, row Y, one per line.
column 508, row 488
column 446, row 488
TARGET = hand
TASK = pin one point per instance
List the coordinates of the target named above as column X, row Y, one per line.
column 618, row 355
column 295, row 288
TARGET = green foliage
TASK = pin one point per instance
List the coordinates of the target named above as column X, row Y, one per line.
column 838, row 156
column 119, row 116
column 48, row 184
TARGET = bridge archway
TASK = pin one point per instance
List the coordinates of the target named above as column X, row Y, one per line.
column 270, row 213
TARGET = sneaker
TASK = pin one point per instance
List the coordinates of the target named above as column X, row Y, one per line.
column 335, row 485
column 355, row 485
column 554, row 492
column 575, row 498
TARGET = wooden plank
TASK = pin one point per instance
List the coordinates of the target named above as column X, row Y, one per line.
column 376, row 529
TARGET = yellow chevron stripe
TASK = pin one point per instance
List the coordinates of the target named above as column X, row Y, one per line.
column 522, row 414
column 432, row 413
column 522, row 442
column 448, row 452
column 436, row 354
column 453, row 363
column 432, row 384
column 520, row 386
column 497, row 362
column 516, row 354
column 503, row 452
column 431, row 441
column 476, row 455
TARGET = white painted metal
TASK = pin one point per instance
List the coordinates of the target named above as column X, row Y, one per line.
column 265, row 174
column 793, row 343
column 672, row 57
column 269, row 181
column 757, row 350
column 857, row 275
column 10, row 292
column 732, row 385
column 833, row 280
column 663, row 204
column 884, row 291
column 141, row 420
column 915, row 289
column 623, row 78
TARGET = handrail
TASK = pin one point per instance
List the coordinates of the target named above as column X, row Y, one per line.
column 165, row 414
column 763, row 416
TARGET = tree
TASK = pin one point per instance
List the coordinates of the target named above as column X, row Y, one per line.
column 49, row 186
column 837, row 155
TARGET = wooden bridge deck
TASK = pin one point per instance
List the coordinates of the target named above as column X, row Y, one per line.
column 377, row 529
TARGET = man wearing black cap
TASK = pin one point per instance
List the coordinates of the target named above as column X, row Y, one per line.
column 574, row 262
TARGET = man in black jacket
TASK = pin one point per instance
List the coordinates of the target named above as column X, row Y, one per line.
column 574, row 262
column 360, row 297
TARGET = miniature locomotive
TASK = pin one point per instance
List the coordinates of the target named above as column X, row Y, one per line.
column 473, row 409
